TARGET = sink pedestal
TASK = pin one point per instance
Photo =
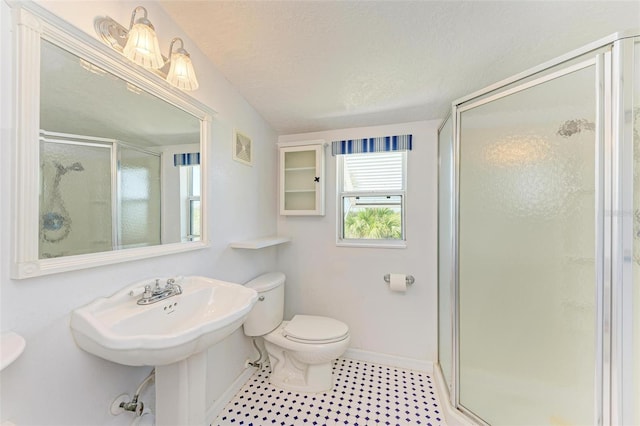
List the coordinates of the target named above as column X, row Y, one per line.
column 181, row 392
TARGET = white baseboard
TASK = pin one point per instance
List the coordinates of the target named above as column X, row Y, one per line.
column 216, row 408
column 391, row 360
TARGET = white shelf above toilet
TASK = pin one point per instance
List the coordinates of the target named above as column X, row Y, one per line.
column 259, row 243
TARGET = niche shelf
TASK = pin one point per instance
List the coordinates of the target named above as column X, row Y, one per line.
column 259, row 243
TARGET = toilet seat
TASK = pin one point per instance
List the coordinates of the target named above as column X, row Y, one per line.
column 315, row 329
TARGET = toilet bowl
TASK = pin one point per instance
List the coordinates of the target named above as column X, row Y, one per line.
column 304, row 362
column 301, row 351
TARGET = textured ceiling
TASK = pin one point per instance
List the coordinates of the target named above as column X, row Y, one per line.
column 318, row 65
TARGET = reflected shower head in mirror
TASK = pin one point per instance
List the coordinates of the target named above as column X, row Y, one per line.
column 572, row 127
column 56, row 223
column 75, row 167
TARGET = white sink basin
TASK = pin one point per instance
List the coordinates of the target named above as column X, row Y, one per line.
column 11, row 346
column 117, row 329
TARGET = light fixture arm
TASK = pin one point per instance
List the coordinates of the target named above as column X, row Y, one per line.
column 143, row 19
column 180, row 49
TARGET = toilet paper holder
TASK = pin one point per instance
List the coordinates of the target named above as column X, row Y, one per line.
column 409, row 278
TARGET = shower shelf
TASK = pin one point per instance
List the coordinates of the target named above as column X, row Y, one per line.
column 259, row 243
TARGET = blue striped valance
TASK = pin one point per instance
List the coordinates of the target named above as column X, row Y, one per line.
column 188, row 159
column 382, row 144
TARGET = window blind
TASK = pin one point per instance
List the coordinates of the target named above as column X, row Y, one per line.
column 187, row 159
column 373, row 172
column 381, row 144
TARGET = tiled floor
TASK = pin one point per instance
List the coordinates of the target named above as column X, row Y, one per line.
column 363, row 394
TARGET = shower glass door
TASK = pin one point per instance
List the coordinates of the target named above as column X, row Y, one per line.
column 527, row 283
column 75, row 199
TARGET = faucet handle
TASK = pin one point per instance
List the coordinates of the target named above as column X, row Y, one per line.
column 147, row 292
column 171, row 281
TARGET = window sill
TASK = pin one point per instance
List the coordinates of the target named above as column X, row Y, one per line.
column 372, row 244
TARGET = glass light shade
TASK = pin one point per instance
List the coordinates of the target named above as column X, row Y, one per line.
column 142, row 46
column 181, row 72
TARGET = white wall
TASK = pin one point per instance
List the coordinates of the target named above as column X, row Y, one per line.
column 56, row 383
column 347, row 282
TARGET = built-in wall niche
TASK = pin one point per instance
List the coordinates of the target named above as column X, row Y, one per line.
column 109, row 154
column 302, row 178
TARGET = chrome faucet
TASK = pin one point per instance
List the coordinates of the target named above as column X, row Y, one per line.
column 156, row 294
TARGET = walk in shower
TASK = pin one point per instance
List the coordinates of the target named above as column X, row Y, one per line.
column 539, row 254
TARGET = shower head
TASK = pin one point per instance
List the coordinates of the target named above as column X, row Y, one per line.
column 571, row 127
column 61, row 170
column 76, row 167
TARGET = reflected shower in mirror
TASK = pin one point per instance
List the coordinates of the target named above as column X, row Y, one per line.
column 107, row 175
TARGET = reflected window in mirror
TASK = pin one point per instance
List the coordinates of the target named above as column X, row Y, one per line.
column 191, row 196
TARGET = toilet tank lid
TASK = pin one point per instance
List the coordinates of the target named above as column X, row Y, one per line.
column 266, row 281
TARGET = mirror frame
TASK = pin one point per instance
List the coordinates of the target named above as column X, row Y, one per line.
column 31, row 24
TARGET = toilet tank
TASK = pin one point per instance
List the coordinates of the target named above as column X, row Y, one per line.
column 268, row 311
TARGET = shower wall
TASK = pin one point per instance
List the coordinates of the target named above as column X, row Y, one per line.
column 138, row 198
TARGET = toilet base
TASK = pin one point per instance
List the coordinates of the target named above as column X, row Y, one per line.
column 290, row 374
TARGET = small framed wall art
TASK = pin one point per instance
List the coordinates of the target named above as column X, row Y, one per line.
column 242, row 148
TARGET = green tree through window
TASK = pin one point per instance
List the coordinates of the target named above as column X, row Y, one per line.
column 373, row 223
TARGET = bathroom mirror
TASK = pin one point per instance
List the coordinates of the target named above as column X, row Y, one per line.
column 111, row 158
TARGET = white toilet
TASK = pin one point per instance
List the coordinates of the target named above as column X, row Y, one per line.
column 301, row 351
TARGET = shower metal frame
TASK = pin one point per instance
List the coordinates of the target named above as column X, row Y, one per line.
column 622, row 222
column 613, row 58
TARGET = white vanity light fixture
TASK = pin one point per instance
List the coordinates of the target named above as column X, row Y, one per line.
column 140, row 44
column 181, row 73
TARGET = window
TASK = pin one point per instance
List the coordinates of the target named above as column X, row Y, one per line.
column 194, row 204
column 371, row 198
column 190, row 196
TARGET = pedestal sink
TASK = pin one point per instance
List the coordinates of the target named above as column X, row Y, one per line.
column 171, row 334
